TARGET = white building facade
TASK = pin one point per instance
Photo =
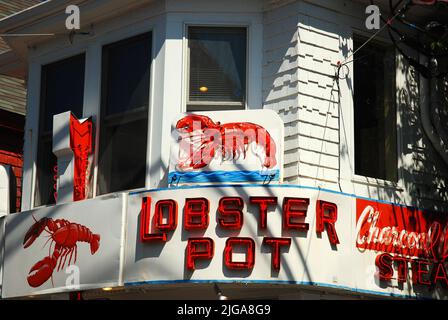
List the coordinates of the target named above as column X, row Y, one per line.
column 370, row 188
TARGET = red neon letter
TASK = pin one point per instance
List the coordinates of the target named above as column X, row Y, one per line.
column 433, row 241
column 196, row 214
column 199, row 248
column 263, row 203
column 444, row 253
column 145, row 223
column 295, row 208
column 438, row 277
column 326, row 216
column 81, row 143
column 384, row 263
column 275, row 244
column 418, row 272
column 231, row 206
column 250, row 253
column 402, row 268
column 171, row 222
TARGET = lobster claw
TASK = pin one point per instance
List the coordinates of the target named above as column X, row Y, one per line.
column 41, row 272
column 34, row 231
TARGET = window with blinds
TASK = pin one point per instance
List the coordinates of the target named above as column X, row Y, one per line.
column 217, row 68
column 62, row 89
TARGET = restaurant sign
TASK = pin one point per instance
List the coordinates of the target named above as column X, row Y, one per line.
column 67, row 247
column 285, row 234
column 226, row 147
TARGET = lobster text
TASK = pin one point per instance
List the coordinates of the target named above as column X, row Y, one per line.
column 231, row 216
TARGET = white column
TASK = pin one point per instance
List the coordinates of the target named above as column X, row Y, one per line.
column 66, row 159
column 92, row 101
column 31, row 136
column 5, row 193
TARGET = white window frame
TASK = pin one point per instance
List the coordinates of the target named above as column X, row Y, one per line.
column 217, row 105
column 360, row 179
column 254, row 53
column 92, row 48
column 106, row 41
column 168, row 29
column 34, row 98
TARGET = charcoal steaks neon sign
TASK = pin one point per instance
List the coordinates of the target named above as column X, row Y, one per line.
column 406, row 239
column 231, row 217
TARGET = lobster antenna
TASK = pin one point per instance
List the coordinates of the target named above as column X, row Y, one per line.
column 49, row 248
column 49, row 238
column 32, row 215
column 47, row 231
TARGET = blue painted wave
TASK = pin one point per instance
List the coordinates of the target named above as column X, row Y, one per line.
column 223, row 176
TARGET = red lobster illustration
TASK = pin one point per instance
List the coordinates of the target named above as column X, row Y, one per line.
column 65, row 235
column 231, row 138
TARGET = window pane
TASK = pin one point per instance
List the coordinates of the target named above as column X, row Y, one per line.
column 375, row 112
column 217, row 64
column 127, row 67
column 124, row 120
column 46, row 161
column 62, row 89
column 123, row 164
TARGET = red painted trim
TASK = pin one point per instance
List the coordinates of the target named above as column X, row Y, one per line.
column 15, row 160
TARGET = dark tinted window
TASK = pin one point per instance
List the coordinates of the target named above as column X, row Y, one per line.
column 126, row 72
column 124, row 114
column 62, row 89
column 374, row 111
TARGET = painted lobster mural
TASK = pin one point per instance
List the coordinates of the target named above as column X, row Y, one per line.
column 65, row 235
column 201, row 138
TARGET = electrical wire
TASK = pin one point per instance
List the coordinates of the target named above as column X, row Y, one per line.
column 414, row 44
column 388, row 22
column 344, row 66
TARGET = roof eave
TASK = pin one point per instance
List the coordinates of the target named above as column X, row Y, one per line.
column 31, row 14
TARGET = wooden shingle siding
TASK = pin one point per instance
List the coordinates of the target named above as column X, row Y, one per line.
column 9, row 7
column 12, row 94
column 300, row 55
column 303, row 41
column 426, row 175
column 3, row 46
column 12, row 90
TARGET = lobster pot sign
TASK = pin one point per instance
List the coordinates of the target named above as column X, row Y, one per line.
column 226, row 147
column 66, row 247
column 285, row 234
column 241, row 247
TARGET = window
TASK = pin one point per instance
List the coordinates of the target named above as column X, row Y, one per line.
column 126, row 70
column 375, row 111
column 217, row 68
column 62, row 89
